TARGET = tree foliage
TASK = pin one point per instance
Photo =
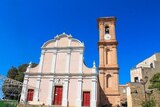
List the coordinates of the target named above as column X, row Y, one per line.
column 149, row 103
column 13, row 91
column 155, row 82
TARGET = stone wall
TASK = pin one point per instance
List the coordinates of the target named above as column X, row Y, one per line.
column 136, row 95
column 123, row 95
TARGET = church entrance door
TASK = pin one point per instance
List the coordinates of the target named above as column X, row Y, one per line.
column 58, row 95
column 86, row 99
column 30, row 95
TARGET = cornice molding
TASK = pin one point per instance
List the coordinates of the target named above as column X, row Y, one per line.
column 64, row 49
column 111, row 42
column 108, row 68
column 61, row 74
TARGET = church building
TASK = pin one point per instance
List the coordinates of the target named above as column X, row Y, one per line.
column 62, row 78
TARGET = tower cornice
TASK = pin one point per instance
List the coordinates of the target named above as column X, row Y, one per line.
column 109, row 68
column 111, row 42
column 112, row 18
column 102, row 20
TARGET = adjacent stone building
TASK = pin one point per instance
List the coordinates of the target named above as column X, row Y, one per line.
column 135, row 94
column 146, row 69
column 123, row 95
column 137, row 89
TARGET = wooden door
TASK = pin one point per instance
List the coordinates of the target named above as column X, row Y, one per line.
column 30, row 95
column 58, row 95
column 86, row 99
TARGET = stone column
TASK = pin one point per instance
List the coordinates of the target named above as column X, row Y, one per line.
column 79, row 91
column 51, row 84
column 36, row 93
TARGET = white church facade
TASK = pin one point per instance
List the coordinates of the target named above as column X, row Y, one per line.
column 61, row 77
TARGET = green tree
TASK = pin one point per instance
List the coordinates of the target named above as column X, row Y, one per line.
column 13, row 71
column 149, row 103
column 155, row 82
column 10, row 90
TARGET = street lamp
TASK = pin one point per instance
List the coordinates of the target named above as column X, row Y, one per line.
column 143, row 82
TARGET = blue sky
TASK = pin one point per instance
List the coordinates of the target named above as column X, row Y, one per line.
column 26, row 24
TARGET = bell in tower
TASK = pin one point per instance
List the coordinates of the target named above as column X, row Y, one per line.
column 107, row 30
column 107, row 35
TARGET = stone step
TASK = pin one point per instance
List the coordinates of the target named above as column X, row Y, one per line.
column 28, row 105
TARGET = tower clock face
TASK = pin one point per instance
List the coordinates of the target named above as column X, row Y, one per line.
column 107, row 37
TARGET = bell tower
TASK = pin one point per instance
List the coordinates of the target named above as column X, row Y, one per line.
column 108, row 65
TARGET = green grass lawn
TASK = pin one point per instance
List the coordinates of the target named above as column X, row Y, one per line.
column 8, row 103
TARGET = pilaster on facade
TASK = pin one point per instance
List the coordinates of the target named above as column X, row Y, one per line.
column 66, row 80
column 68, row 58
column 80, row 61
column 50, row 92
column 56, row 43
column 80, row 81
column 101, row 57
column 101, row 29
column 70, row 40
column 24, row 92
column 53, row 66
column 51, row 84
column 41, row 61
column 65, row 92
column 36, row 93
column 79, row 93
column 94, row 92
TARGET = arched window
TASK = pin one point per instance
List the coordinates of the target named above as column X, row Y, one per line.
column 108, row 81
column 107, row 30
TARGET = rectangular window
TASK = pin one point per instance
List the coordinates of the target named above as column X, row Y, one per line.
column 151, row 65
column 136, row 79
